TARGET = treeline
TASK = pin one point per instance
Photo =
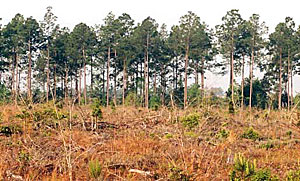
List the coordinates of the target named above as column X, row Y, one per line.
column 145, row 63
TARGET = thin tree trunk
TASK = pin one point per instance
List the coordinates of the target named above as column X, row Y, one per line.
column 13, row 69
column 54, row 81
column 280, row 79
column 186, row 75
column 288, row 85
column 115, row 79
column 79, row 87
column 202, row 77
column 147, row 75
column 292, row 94
column 17, row 80
column 124, row 80
column 243, row 82
column 196, row 73
column 163, row 86
column 29, row 73
column 103, row 90
column 92, row 76
column 231, row 72
column 251, row 76
column 154, row 84
column 66, row 84
column 107, row 77
column 48, row 73
column 176, row 73
column 84, row 76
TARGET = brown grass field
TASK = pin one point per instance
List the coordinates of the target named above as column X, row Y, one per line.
column 45, row 142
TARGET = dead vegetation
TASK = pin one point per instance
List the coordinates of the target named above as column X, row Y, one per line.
column 46, row 142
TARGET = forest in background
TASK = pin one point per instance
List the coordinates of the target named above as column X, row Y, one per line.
column 41, row 60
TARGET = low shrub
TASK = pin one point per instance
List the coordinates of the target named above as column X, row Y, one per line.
column 95, row 169
column 251, row 134
column 190, row 121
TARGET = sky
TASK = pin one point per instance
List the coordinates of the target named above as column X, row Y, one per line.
column 91, row 12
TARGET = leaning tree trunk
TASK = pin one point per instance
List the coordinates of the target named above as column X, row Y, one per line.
column 280, row 79
column 29, row 73
column 186, row 75
column 107, row 77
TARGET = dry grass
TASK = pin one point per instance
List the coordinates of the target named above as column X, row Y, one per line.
column 153, row 142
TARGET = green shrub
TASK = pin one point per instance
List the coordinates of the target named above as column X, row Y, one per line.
column 231, row 107
column 223, row 133
column 168, row 136
column 289, row 134
column 96, row 110
column 132, row 99
column 293, row 175
column 244, row 169
column 191, row 120
column 251, row 134
column 10, row 129
column 154, row 102
column 176, row 174
column 267, row 146
column 95, row 169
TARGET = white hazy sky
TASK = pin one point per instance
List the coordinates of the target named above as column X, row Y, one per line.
column 91, row 12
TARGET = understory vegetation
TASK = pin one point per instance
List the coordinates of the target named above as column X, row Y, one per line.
column 57, row 141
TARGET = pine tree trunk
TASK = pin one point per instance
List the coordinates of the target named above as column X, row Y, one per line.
column 54, row 81
column 202, row 77
column 186, row 75
column 163, row 85
column 29, row 73
column 92, row 77
column 292, row 94
column 79, row 87
column 124, row 80
column 48, row 74
column 154, row 84
column 251, row 76
column 196, row 73
column 107, row 77
column 115, row 79
column 66, row 84
column 84, row 77
column 288, row 85
column 13, row 69
column 17, row 80
column 243, row 82
column 146, row 74
column 176, row 73
column 231, row 72
column 103, row 84
column 280, row 79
